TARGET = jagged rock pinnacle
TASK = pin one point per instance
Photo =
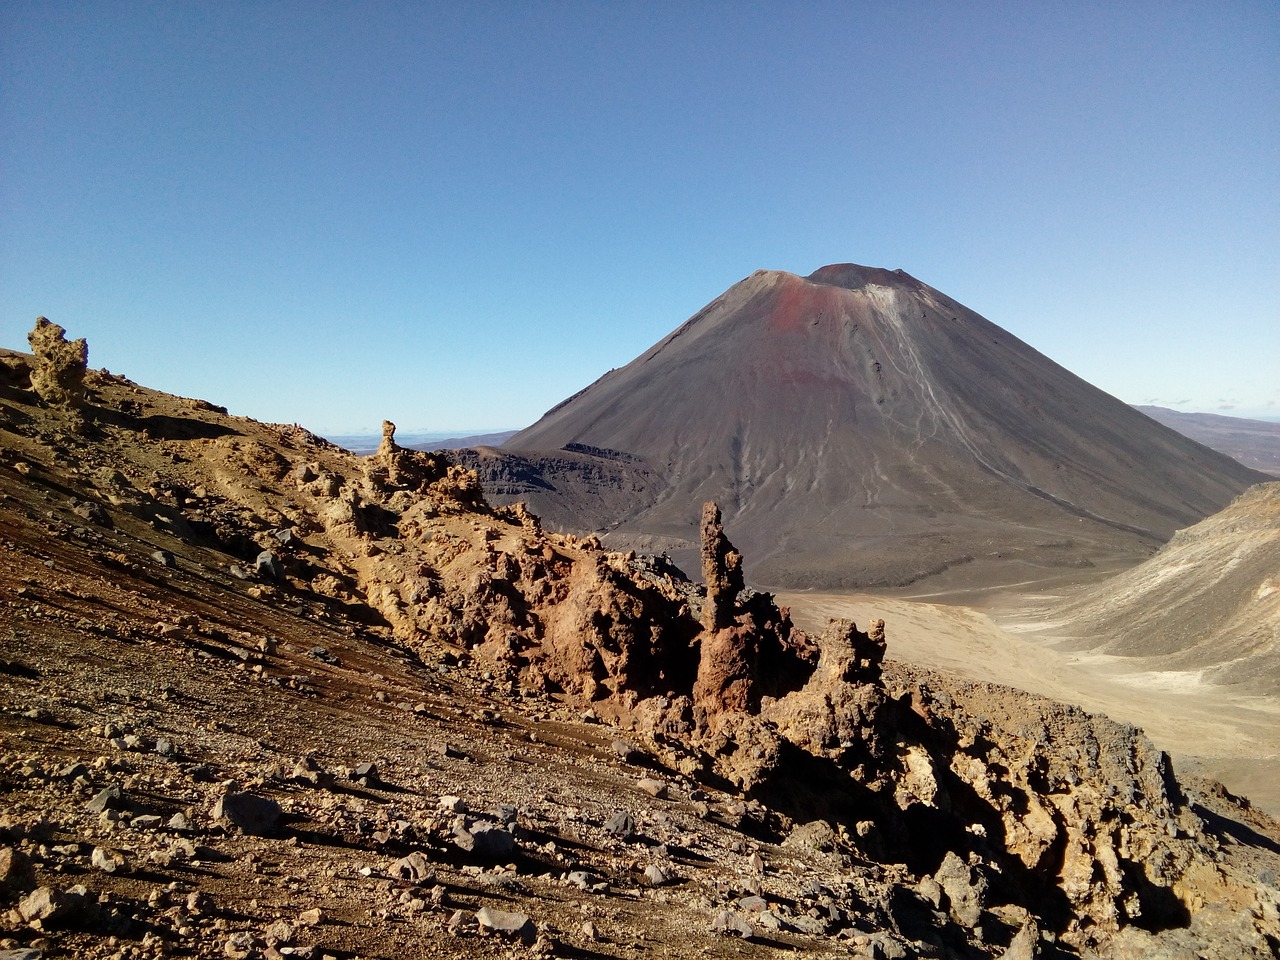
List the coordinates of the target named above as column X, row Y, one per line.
column 721, row 569
column 60, row 365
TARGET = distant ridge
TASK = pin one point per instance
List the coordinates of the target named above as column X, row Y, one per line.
column 1255, row 443
column 476, row 440
column 861, row 428
column 366, row 443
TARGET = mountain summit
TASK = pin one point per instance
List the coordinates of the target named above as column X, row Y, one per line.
column 860, row 428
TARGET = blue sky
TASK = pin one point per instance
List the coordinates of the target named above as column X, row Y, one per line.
column 454, row 215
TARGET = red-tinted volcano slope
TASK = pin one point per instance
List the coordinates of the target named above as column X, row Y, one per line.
column 860, row 428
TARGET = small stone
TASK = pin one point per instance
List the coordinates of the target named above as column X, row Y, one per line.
column 109, row 861
column 621, row 825
column 414, row 867
column 730, row 924
column 486, row 840
column 148, row 821
column 163, row 557
column 310, row 918
column 451, row 804
column 656, row 876
column 266, row 565
column 654, row 788
column 623, row 749
column 365, row 773
column 108, row 798
column 17, row 873
column 238, row 945
column 252, row 814
column 512, row 926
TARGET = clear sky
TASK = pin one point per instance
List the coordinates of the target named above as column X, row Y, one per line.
column 454, row 215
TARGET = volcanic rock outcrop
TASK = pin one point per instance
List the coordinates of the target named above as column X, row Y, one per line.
column 858, row 428
column 58, row 367
column 469, row 670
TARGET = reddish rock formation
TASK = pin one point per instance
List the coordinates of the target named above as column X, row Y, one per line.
column 721, row 571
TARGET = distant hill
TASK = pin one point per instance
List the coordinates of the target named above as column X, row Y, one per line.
column 1255, row 443
column 364, row 444
column 457, row 443
column 1207, row 603
column 860, row 428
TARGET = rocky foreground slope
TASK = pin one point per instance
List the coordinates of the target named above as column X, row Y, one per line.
column 265, row 698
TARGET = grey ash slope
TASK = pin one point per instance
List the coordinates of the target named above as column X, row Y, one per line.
column 1208, row 603
column 861, row 428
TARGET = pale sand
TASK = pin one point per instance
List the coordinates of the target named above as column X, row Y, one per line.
column 1207, row 729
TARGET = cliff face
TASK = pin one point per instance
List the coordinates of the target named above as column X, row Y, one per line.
column 275, row 610
column 859, row 427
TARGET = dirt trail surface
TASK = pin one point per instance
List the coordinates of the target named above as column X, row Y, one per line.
column 1211, row 729
column 262, row 698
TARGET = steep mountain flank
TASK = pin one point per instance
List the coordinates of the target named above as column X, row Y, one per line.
column 859, row 427
column 265, row 698
column 1208, row 603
